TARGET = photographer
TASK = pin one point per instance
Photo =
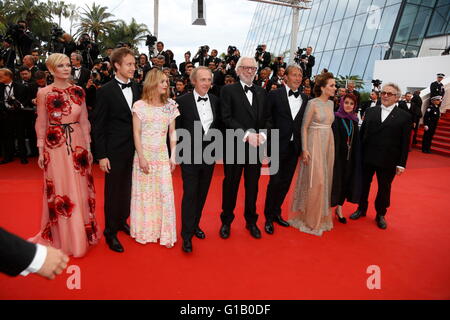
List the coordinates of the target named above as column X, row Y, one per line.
column 89, row 50
column 143, row 66
column 21, row 37
column 160, row 52
column 80, row 74
column 37, row 63
column 376, row 85
column 213, row 58
column 187, row 59
column 8, row 54
column 278, row 63
column 262, row 57
column 202, row 56
column 13, row 99
column 231, row 55
column 307, row 62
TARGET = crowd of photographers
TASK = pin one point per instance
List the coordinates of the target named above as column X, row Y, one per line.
column 23, row 72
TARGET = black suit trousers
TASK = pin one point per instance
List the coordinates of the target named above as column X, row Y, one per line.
column 385, row 176
column 13, row 127
column 118, row 193
column 230, row 188
column 279, row 184
column 196, row 182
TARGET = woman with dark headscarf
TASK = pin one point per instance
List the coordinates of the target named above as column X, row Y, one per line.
column 346, row 170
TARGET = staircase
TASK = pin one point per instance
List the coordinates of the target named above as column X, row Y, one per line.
column 441, row 140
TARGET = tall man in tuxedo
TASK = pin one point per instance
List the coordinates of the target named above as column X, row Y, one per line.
column 245, row 110
column 307, row 63
column 412, row 108
column 264, row 58
column 287, row 105
column 14, row 97
column 385, row 136
column 197, row 108
column 80, row 74
column 114, row 147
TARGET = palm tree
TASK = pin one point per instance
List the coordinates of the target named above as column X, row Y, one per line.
column 73, row 15
column 60, row 9
column 133, row 33
column 343, row 80
column 95, row 21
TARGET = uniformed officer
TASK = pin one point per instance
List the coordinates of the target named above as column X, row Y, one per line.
column 430, row 121
column 437, row 87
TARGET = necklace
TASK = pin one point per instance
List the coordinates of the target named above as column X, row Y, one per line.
column 349, row 131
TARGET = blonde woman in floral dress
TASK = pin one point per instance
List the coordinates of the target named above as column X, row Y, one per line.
column 152, row 200
column 63, row 135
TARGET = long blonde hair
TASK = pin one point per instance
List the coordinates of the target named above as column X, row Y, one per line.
column 151, row 83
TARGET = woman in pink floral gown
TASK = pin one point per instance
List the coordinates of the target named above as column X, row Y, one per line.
column 63, row 132
column 152, row 212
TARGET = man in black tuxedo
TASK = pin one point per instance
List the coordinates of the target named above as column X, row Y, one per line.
column 307, row 63
column 245, row 111
column 437, row 87
column 196, row 109
column 18, row 256
column 374, row 101
column 385, row 136
column 417, row 100
column 160, row 52
column 287, row 105
column 80, row 74
column 213, row 58
column 29, row 63
column 114, row 146
column 412, row 108
column 14, row 98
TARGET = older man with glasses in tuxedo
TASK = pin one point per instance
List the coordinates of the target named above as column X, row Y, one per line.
column 385, row 134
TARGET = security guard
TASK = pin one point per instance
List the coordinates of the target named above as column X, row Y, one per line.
column 437, row 87
column 430, row 122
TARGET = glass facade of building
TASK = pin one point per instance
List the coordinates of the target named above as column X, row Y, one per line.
column 347, row 36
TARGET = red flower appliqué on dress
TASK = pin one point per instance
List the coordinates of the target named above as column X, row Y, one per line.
column 91, row 205
column 55, row 137
column 47, row 233
column 52, row 215
column 64, row 206
column 76, row 95
column 81, row 160
column 46, row 159
column 49, row 188
column 57, row 105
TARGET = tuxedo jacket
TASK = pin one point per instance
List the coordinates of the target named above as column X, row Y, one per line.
column 20, row 92
column 112, row 127
column 189, row 114
column 16, row 254
column 366, row 105
column 415, row 110
column 266, row 60
column 85, row 74
column 237, row 113
column 283, row 120
column 385, row 144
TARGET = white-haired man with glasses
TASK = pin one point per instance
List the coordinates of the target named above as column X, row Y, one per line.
column 385, row 134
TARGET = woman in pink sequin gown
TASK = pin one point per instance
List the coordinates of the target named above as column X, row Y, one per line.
column 63, row 134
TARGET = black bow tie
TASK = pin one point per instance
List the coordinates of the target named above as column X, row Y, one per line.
column 125, row 85
column 296, row 93
column 200, row 99
column 76, row 69
column 246, row 88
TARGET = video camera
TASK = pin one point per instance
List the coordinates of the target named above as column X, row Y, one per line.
column 376, row 82
column 56, row 32
column 203, row 50
column 298, row 55
column 150, row 43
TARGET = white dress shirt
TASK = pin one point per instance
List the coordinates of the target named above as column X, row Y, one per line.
column 204, row 111
column 249, row 95
column 9, row 93
column 127, row 92
column 38, row 260
column 294, row 104
column 77, row 71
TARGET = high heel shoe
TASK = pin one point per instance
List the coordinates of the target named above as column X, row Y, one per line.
column 341, row 220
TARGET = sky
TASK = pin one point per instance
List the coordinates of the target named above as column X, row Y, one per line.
column 227, row 22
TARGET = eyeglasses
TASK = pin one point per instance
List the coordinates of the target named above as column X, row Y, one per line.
column 249, row 68
column 389, row 94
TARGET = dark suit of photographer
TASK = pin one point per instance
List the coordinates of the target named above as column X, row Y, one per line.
column 8, row 55
column 89, row 51
column 13, row 98
column 201, row 57
column 262, row 57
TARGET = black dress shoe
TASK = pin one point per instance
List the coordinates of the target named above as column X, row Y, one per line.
column 24, row 161
column 254, row 231
column 381, row 223
column 280, row 221
column 225, row 231
column 125, row 228
column 199, row 233
column 357, row 214
column 114, row 243
column 269, row 227
column 341, row 220
column 187, row 246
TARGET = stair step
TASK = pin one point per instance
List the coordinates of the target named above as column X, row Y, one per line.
column 438, row 144
column 442, row 152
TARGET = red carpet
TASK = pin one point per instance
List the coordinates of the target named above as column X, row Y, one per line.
column 413, row 253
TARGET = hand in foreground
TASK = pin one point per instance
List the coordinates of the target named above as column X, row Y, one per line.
column 54, row 264
column 105, row 166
